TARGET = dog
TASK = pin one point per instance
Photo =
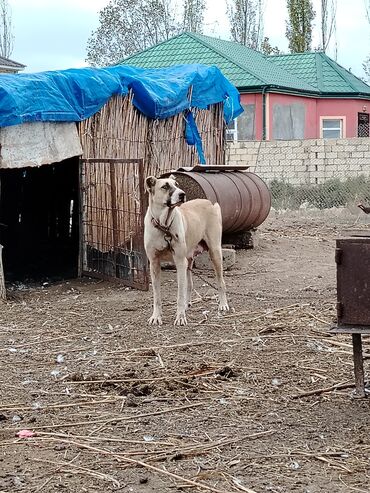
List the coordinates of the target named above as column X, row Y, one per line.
column 176, row 230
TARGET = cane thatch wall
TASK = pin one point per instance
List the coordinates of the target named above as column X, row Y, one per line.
column 120, row 131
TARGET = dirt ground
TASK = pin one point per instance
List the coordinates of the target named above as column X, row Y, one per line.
column 216, row 406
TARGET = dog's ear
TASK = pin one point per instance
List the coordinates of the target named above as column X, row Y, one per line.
column 172, row 177
column 150, row 183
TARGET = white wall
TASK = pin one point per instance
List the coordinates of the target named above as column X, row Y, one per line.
column 302, row 161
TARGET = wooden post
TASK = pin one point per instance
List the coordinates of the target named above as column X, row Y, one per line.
column 359, row 365
column 2, row 277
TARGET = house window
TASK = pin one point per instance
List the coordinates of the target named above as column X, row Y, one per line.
column 288, row 121
column 243, row 127
column 246, row 123
column 232, row 131
column 332, row 128
column 363, row 129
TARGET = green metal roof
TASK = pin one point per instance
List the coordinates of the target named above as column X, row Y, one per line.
column 304, row 73
column 322, row 72
column 186, row 48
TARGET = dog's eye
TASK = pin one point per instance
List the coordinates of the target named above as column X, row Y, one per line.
column 165, row 186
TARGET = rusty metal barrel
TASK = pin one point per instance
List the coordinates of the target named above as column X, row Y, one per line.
column 244, row 197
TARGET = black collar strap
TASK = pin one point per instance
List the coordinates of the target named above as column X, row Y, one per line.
column 164, row 229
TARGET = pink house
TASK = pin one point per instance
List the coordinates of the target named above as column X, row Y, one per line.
column 318, row 117
column 297, row 96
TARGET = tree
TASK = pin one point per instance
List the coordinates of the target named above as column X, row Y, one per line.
column 193, row 16
column 128, row 26
column 367, row 9
column 328, row 21
column 366, row 64
column 246, row 19
column 6, row 36
column 268, row 49
column 299, row 25
column 366, row 67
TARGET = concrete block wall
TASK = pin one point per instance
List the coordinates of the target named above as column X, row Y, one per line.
column 303, row 161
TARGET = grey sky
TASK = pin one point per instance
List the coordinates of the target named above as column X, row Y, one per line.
column 52, row 34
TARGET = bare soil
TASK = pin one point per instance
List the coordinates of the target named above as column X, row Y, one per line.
column 116, row 405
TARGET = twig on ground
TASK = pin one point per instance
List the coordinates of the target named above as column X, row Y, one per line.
column 338, row 386
column 73, row 468
column 127, row 419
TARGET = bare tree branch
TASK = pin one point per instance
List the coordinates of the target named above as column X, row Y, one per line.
column 367, row 9
column 6, row 35
column 328, row 21
column 193, row 17
column 246, row 19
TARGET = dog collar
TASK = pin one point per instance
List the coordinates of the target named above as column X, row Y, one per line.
column 161, row 227
column 168, row 237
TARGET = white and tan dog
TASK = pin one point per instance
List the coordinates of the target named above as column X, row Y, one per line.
column 177, row 230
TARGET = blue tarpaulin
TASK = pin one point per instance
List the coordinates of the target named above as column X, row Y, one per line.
column 75, row 94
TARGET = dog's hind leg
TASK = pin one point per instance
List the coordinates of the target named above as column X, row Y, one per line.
column 155, row 273
column 181, row 263
column 216, row 257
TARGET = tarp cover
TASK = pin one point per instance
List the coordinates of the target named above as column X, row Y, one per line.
column 38, row 143
column 76, row 94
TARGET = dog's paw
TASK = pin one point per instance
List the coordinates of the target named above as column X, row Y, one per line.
column 180, row 319
column 223, row 307
column 155, row 320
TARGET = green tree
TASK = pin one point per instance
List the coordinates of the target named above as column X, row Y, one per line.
column 246, row 20
column 299, row 25
column 128, row 26
column 193, row 16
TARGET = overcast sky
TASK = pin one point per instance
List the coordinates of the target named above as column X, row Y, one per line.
column 52, row 34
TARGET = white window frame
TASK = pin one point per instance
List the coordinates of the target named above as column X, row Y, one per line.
column 232, row 132
column 342, row 129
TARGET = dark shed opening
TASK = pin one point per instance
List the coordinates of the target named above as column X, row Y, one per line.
column 39, row 221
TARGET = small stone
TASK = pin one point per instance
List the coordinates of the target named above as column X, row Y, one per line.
column 131, row 401
column 60, row 447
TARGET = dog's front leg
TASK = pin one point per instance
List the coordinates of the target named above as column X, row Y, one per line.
column 155, row 273
column 190, row 282
column 181, row 268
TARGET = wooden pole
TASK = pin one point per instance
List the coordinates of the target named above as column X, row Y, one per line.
column 2, row 277
column 359, row 365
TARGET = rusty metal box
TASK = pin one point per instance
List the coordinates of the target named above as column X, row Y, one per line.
column 352, row 257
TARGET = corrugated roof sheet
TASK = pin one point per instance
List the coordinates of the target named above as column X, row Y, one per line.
column 6, row 62
column 310, row 73
column 322, row 72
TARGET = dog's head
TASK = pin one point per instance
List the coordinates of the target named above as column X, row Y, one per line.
column 165, row 191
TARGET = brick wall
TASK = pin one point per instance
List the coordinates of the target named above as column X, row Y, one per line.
column 303, row 161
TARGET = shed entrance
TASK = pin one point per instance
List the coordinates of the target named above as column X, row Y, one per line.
column 39, row 224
